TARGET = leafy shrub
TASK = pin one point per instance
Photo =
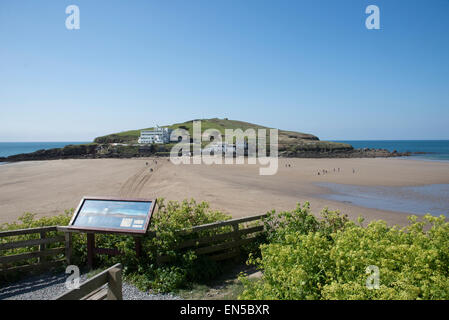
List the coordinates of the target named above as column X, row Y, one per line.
column 28, row 220
column 183, row 266
column 327, row 259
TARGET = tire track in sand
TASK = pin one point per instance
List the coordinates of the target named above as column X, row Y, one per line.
column 134, row 185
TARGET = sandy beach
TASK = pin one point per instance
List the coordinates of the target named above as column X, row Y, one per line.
column 50, row 187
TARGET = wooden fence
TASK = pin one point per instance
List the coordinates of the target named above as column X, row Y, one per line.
column 37, row 242
column 220, row 246
column 226, row 244
column 106, row 285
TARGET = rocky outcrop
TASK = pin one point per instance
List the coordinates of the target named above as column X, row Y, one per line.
column 68, row 152
column 91, row 151
column 343, row 153
column 321, row 149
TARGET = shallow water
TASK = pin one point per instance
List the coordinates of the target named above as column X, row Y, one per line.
column 430, row 149
column 433, row 199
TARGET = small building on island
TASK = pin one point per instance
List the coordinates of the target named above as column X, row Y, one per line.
column 157, row 135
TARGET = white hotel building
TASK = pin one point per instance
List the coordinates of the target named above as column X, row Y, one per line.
column 158, row 135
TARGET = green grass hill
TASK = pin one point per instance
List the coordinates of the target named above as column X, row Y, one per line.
column 289, row 141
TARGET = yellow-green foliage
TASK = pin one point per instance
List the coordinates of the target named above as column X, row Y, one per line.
column 174, row 215
column 184, row 266
column 327, row 259
column 28, row 220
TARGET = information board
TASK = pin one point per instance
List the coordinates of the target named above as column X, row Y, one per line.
column 113, row 215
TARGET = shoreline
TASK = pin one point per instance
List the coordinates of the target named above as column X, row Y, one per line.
column 238, row 190
column 417, row 199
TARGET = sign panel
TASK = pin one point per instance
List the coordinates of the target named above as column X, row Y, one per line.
column 113, row 215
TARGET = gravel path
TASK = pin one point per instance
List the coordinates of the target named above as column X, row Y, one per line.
column 49, row 286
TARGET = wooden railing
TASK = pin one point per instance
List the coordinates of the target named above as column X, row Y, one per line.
column 106, row 285
column 220, row 246
column 37, row 255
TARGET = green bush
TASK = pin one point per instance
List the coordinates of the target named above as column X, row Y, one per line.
column 328, row 259
column 183, row 266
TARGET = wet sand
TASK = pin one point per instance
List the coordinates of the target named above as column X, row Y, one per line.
column 50, row 187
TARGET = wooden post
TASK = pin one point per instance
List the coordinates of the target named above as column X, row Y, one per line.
column 68, row 247
column 236, row 238
column 115, row 284
column 42, row 247
column 138, row 243
column 90, row 249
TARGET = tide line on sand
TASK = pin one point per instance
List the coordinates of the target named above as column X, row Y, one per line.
column 432, row 198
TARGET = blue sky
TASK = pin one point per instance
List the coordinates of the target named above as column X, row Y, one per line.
column 308, row 66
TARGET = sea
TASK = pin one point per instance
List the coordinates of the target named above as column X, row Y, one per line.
column 427, row 149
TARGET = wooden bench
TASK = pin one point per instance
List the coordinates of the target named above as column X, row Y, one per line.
column 106, row 285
